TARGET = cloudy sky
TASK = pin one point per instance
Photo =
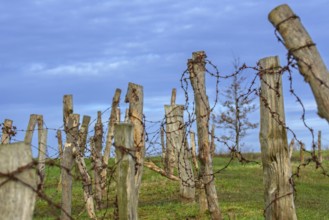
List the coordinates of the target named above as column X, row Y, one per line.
column 89, row 48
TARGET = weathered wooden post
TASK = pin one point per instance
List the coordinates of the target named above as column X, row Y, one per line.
column 60, row 150
column 6, row 131
column 279, row 200
column 291, row 147
column 124, row 149
column 96, row 150
column 212, row 142
column 319, row 147
column 42, row 154
column 193, row 151
column 163, row 146
column 301, row 153
column 196, row 67
column 176, row 140
column 83, row 133
column 17, row 187
column 109, row 138
column 302, row 48
column 135, row 98
column 67, row 160
column 171, row 154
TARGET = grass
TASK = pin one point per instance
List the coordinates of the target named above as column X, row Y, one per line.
column 239, row 187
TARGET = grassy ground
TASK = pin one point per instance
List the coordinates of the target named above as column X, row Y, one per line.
column 240, row 192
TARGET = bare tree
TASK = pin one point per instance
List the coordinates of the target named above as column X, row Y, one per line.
column 237, row 106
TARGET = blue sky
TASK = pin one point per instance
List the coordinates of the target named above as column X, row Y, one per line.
column 89, row 48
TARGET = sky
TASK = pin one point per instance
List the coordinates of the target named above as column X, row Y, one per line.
column 50, row 48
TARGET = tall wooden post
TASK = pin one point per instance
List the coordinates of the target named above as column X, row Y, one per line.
column 291, row 147
column 193, row 151
column 42, row 154
column 319, row 147
column 176, row 139
column 97, row 159
column 6, row 134
column 18, row 189
column 109, row 137
column 135, row 98
column 67, row 160
column 67, row 164
column 196, row 67
column 300, row 45
column 124, row 145
column 301, row 153
column 279, row 200
column 83, row 133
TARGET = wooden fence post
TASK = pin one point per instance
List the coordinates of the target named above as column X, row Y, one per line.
column 212, row 142
column 67, row 160
column 42, row 154
column 124, row 149
column 83, row 133
column 279, row 200
column 301, row 47
column 163, row 146
column 196, row 67
column 135, row 98
column 171, row 154
column 193, row 151
column 96, row 150
column 60, row 150
column 17, row 190
column 176, row 139
column 301, row 153
column 319, row 147
column 291, row 147
column 109, row 138
column 67, row 163
column 6, row 131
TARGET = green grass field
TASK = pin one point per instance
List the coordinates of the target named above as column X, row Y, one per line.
column 239, row 187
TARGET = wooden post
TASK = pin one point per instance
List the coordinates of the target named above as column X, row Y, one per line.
column 163, row 146
column 300, row 45
column 193, row 151
column 60, row 150
column 83, row 133
column 301, row 153
column 291, row 147
column 135, row 98
column 176, row 140
column 6, row 131
column 196, row 67
column 66, row 165
column 124, row 149
column 212, row 138
column 319, row 147
column 42, row 154
column 97, row 159
column 17, row 190
column 109, row 138
column 279, row 200
column 67, row 109
column 67, row 160
column 30, row 129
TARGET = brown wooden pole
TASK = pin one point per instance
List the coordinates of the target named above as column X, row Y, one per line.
column 109, row 138
column 177, row 141
column 196, row 67
column 17, row 191
column 135, row 98
column 302, row 48
column 278, row 196
column 83, row 133
column 124, row 149
column 97, row 160
column 319, row 147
